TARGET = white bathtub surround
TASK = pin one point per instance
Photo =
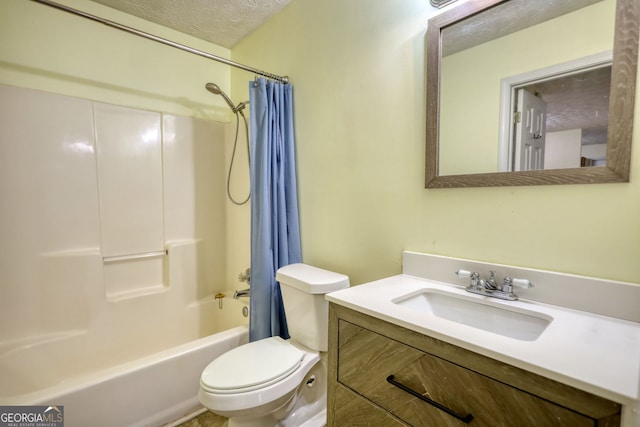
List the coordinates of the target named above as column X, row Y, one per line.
column 89, row 191
column 129, row 155
column 130, row 197
column 593, row 352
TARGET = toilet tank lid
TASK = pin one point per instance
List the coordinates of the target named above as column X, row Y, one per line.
column 311, row 279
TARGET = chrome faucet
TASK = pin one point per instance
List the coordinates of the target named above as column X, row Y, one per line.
column 491, row 288
column 490, row 283
column 242, row 293
column 476, row 283
column 244, row 276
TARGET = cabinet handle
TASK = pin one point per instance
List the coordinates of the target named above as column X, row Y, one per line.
column 464, row 418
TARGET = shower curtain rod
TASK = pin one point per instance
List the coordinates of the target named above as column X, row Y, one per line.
column 281, row 79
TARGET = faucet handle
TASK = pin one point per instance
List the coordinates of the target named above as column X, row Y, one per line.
column 509, row 283
column 245, row 276
column 522, row 283
column 475, row 278
column 467, row 273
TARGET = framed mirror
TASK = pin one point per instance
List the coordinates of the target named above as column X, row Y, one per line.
column 482, row 58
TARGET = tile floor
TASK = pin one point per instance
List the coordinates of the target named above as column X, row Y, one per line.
column 206, row 419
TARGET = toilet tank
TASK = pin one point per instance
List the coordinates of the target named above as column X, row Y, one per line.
column 303, row 288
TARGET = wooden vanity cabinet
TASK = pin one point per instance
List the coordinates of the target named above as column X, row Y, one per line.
column 381, row 374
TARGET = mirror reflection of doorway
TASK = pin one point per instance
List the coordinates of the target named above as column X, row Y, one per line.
column 530, row 131
column 574, row 131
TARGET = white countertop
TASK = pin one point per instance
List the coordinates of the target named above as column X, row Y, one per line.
column 595, row 353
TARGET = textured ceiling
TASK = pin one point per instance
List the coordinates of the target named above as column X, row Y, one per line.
column 223, row 22
column 578, row 101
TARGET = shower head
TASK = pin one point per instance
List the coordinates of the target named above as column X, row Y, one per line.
column 215, row 89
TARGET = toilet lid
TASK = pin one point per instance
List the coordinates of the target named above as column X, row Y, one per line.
column 251, row 366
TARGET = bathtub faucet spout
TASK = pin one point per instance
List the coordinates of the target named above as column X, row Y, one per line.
column 242, row 293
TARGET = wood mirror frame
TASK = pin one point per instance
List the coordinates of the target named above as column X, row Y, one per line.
column 621, row 107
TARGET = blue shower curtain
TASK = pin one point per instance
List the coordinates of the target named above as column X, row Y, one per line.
column 275, row 230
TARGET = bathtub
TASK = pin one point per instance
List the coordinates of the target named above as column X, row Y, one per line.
column 148, row 391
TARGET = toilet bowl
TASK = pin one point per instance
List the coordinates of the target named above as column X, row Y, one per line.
column 275, row 382
column 256, row 382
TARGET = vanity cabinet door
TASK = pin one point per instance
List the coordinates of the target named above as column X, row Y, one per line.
column 367, row 359
column 354, row 411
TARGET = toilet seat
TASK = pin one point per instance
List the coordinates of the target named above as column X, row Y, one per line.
column 251, row 366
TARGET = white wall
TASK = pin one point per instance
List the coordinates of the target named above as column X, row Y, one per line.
column 595, row 151
column 563, row 149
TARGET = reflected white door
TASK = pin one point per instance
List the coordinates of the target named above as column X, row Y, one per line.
column 530, row 132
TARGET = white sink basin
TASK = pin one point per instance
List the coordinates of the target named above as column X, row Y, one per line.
column 510, row 322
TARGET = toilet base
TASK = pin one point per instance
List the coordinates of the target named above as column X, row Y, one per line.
column 310, row 406
column 318, row 420
column 306, row 407
column 252, row 422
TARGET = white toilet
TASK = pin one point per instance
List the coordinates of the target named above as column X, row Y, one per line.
column 276, row 382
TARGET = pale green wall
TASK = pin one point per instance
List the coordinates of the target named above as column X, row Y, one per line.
column 358, row 71
column 46, row 49
column 470, row 85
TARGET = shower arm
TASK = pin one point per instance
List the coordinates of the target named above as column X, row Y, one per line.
column 130, row 30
